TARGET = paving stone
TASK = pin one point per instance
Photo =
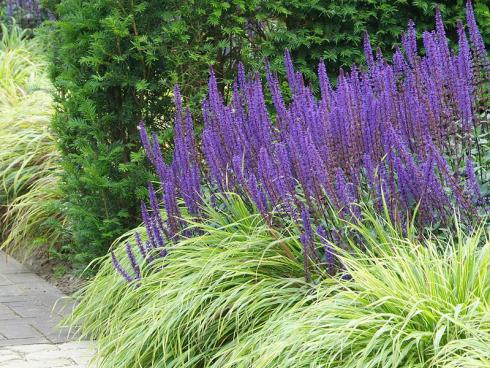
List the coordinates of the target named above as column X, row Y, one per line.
column 23, row 278
column 84, row 360
column 52, row 363
column 50, row 319
column 31, row 340
column 13, row 298
column 63, row 306
column 56, row 304
column 26, row 349
column 54, row 334
column 46, row 355
column 79, row 355
column 74, row 355
column 36, row 288
column 18, row 330
column 30, row 312
column 10, row 266
column 9, row 356
column 7, row 313
column 14, row 363
column 80, row 345
column 5, row 281
column 26, row 309
column 11, row 290
column 30, row 307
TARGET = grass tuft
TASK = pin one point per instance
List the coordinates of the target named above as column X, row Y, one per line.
column 210, row 290
column 408, row 304
column 29, row 162
column 230, row 297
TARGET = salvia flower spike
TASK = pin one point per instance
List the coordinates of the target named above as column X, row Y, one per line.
column 391, row 133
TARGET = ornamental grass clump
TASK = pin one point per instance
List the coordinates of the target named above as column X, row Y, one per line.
column 400, row 136
column 224, row 282
column 29, row 161
column 230, row 297
column 409, row 303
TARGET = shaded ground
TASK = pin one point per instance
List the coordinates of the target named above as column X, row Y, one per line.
column 41, row 264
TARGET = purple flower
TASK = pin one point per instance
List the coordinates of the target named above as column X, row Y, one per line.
column 368, row 52
column 257, row 196
column 409, row 42
column 120, row 269
column 391, row 127
column 133, row 262
column 140, row 245
column 472, row 181
column 477, row 39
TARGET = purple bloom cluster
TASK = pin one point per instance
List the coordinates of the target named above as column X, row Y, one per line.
column 29, row 10
column 180, row 179
column 391, row 134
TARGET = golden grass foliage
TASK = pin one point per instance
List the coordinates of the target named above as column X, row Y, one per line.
column 229, row 297
column 29, row 161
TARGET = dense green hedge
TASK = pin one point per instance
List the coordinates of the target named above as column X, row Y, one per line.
column 114, row 63
column 333, row 30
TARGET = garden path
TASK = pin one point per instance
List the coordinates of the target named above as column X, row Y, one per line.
column 30, row 309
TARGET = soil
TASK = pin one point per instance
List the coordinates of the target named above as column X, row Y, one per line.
column 41, row 264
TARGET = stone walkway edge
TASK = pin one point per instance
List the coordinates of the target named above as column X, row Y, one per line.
column 30, row 311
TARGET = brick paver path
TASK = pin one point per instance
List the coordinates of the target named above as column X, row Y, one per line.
column 30, row 309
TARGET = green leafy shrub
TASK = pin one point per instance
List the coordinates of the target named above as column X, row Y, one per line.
column 115, row 65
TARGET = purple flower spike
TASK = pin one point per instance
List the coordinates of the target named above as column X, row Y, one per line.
column 133, row 261
column 140, row 245
column 476, row 38
column 146, row 142
column 368, row 52
column 409, row 42
column 120, row 269
column 305, row 217
column 155, row 209
column 472, row 181
column 394, row 128
column 257, row 195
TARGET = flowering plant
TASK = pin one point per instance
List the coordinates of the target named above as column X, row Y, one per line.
column 396, row 135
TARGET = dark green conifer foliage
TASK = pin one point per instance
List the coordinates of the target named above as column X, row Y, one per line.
column 114, row 63
column 333, row 29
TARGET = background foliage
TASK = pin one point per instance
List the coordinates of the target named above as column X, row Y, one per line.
column 333, row 30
